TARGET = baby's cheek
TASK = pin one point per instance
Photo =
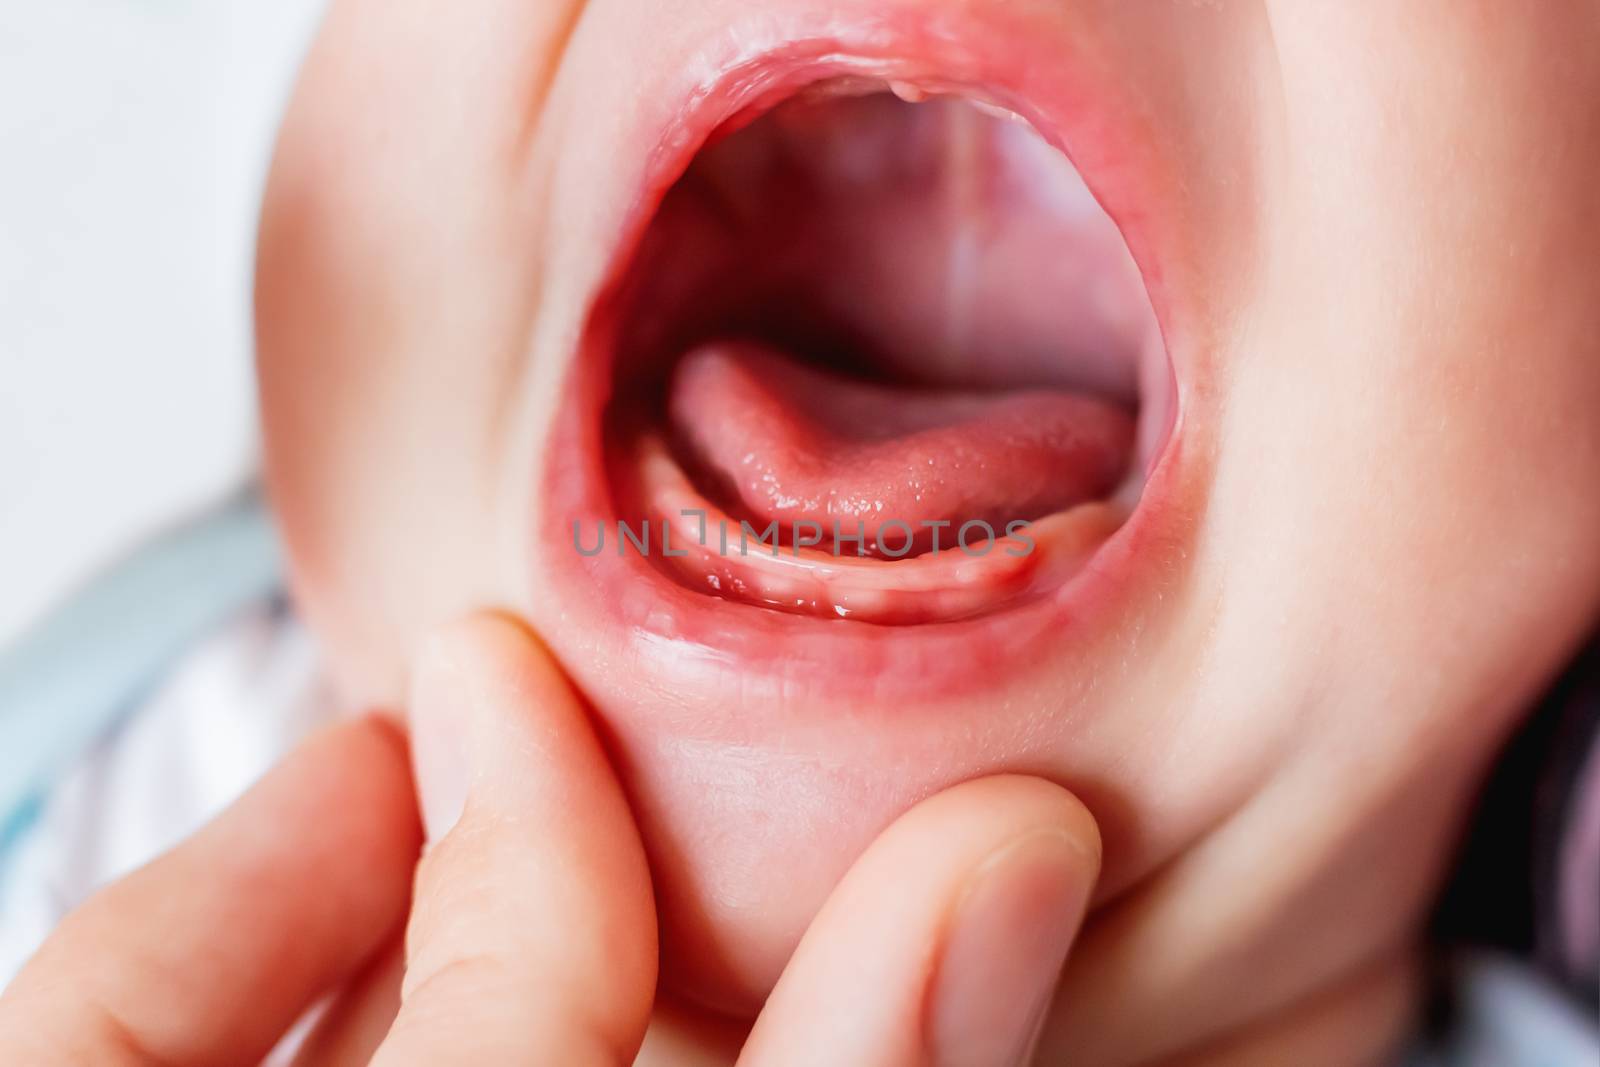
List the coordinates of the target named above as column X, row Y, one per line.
column 1417, row 382
column 397, row 283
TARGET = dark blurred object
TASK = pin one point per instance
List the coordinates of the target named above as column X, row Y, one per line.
column 1528, row 882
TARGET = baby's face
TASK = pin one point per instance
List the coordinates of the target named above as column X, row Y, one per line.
column 1314, row 488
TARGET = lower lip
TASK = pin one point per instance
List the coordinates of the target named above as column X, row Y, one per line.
column 688, row 637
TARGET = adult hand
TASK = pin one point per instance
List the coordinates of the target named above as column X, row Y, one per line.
column 531, row 937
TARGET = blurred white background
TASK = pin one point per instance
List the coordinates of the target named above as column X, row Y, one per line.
column 134, row 142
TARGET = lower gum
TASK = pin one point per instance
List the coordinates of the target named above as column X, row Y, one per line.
column 952, row 585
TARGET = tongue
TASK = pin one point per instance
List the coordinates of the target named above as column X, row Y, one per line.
column 777, row 440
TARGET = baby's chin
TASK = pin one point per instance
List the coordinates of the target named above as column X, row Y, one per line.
column 746, row 841
column 754, row 798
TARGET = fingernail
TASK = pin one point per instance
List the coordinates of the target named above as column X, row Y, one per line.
column 1008, row 940
column 439, row 737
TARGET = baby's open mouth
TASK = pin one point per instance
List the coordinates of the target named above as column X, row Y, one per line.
column 838, row 283
column 880, row 356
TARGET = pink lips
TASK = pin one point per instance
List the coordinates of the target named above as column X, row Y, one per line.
column 677, row 628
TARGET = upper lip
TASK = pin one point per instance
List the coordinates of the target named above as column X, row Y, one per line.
column 1015, row 57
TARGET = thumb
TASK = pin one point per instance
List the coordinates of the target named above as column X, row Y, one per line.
column 944, row 942
column 532, row 936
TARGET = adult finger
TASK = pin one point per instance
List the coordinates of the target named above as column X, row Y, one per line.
column 532, row 937
column 944, row 942
column 349, row 1030
column 209, row 954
